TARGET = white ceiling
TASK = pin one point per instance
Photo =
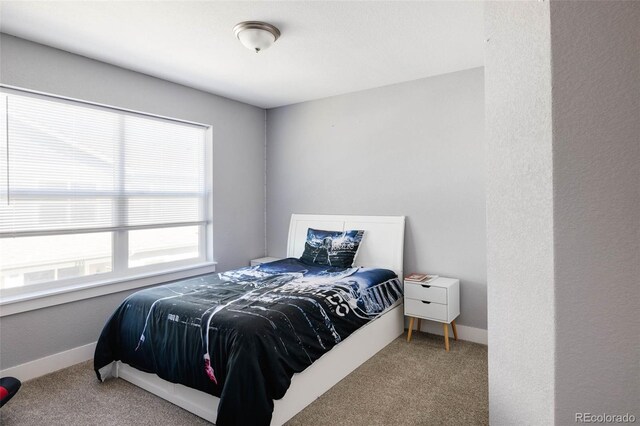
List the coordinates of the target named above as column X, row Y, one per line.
column 326, row 48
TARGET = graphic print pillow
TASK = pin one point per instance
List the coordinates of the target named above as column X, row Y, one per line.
column 331, row 248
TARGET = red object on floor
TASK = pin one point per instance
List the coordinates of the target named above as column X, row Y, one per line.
column 8, row 388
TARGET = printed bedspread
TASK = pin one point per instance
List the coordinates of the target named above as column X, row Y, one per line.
column 241, row 335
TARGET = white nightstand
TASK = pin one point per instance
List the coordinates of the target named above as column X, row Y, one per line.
column 438, row 300
column 259, row 261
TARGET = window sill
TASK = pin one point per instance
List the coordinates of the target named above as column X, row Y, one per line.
column 29, row 301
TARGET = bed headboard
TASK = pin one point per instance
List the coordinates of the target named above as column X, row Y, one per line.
column 382, row 245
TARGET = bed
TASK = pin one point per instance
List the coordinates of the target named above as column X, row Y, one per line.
column 254, row 362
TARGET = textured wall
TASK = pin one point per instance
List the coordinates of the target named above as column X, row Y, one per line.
column 563, row 209
column 596, row 166
column 519, row 213
column 413, row 149
column 238, row 149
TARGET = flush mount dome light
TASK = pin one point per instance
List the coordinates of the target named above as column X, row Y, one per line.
column 256, row 35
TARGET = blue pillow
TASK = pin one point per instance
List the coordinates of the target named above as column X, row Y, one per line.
column 331, row 248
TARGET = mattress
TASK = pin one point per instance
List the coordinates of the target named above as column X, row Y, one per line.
column 242, row 334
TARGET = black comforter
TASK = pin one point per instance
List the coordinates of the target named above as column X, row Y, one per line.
column 241, row 335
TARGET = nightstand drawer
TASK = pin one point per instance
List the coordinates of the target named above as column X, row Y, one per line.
column 418, row 308
column 425, row 292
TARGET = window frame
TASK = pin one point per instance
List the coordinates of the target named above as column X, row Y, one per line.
column 121, row 277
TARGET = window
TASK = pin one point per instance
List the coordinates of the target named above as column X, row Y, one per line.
column 91, row 193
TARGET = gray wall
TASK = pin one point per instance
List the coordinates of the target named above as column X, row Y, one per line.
column 238, row 149
column 563, row 209
column 596, row 166
column 413, row 149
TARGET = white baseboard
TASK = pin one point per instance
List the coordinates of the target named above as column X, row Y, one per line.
column 49, row 364
column 471, row 334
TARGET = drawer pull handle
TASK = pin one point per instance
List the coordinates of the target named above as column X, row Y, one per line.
column 426, row 286
column 424, row 301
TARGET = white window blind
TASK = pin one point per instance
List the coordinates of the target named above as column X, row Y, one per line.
column 93, row 195
column 67, row 167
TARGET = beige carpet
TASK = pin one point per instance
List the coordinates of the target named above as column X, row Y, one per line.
column 415, row 383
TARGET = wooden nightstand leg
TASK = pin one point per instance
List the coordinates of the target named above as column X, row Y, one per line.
column 419, row 324
column 410, row 329
column 446, row 336
column 455, row 332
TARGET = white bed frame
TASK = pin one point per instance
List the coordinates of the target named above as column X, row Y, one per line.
column 382, row 247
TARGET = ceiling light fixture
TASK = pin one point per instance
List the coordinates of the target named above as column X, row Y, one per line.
column 256, row 35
